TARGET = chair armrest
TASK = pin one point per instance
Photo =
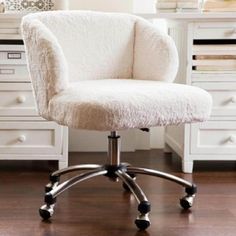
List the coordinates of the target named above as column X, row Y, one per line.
column 46, row 63
column 155, row 54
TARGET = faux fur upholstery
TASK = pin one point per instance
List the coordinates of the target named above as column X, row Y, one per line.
column 155, row 56
column 115, row 104
column 95, row 45
column 47, row 64
column 107, row 71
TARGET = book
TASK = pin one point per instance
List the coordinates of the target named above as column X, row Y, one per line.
column 190, row 5
column 218, row 63
column 218, row 50
column 215, row 57
column 179, row 4
column 166, row 5
column 188, row 10
column 166, row 10
column 219, row 5
column 214, row 68
column 166, row 0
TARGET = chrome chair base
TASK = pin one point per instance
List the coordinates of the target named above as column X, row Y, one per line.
column 115, row 171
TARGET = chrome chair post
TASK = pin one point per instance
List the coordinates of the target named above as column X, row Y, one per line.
column 114, row 149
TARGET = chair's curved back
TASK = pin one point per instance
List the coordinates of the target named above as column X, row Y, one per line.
column 68, row 46
column 96, row 45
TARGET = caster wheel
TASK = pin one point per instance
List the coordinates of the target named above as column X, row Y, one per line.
column 46, row 212
column 125, row 186
column 187, row 202
column 48, row 188
column 142, row 224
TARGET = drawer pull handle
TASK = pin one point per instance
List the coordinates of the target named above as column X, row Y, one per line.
column 16, row 56
column 232, row 139
column 22, row 139
column 21, row 99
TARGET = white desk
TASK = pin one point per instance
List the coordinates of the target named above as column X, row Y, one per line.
column 23, row 134
column 215, row 139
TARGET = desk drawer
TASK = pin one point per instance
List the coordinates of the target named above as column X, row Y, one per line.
column 213, row 137
column 216, row 30
column 17, row 100
column 12, row 57
column 213, row 76
column 224, row 97
column 30, row 138
column 14, row 73
column 10, row 30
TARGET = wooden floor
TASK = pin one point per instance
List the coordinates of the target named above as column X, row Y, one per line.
column 101, row 208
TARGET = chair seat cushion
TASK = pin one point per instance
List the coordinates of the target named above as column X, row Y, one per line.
column 118, row 104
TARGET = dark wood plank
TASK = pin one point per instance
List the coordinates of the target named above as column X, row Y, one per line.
column 100, row 207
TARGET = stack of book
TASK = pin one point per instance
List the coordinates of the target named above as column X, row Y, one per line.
column 220, row 5
column 178, row 5
column 214, row 57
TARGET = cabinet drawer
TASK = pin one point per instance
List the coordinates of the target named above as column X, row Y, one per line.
column 213, row 137
column 30, row 138
column 17, row 100
column 216, row 30
column 213, row 76
column 12, row 57
column 224, row 97
column 10, row 30
column 14, row 73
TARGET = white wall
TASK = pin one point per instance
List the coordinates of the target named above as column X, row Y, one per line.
column 96, row 141
column 137, row 6
column 103, row 5
column 144, row 6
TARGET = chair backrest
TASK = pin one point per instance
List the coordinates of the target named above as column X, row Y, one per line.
column 68, row 46
column 95, row 45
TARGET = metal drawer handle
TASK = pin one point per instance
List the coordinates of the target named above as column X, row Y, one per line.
column 233, row 99
column 21, row 99
column 232, row 139
column 14, row 55
column 22, row 139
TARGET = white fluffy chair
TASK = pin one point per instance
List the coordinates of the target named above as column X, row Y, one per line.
column 108, row 72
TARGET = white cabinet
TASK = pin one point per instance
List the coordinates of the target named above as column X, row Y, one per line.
column 207, row 48
column 213, row 137
column 219, row 30
column 224, row 97
column 28, row 137
column 23, row 134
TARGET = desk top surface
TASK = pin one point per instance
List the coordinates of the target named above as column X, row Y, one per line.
column 12, row 15
column 191, row 15
column 165, row 15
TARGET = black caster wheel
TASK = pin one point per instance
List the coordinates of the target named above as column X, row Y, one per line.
column 53, row 184
column 46, row 212
column 142, row 222
column 187, row 202
column 125, row 186
column 48, row 188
